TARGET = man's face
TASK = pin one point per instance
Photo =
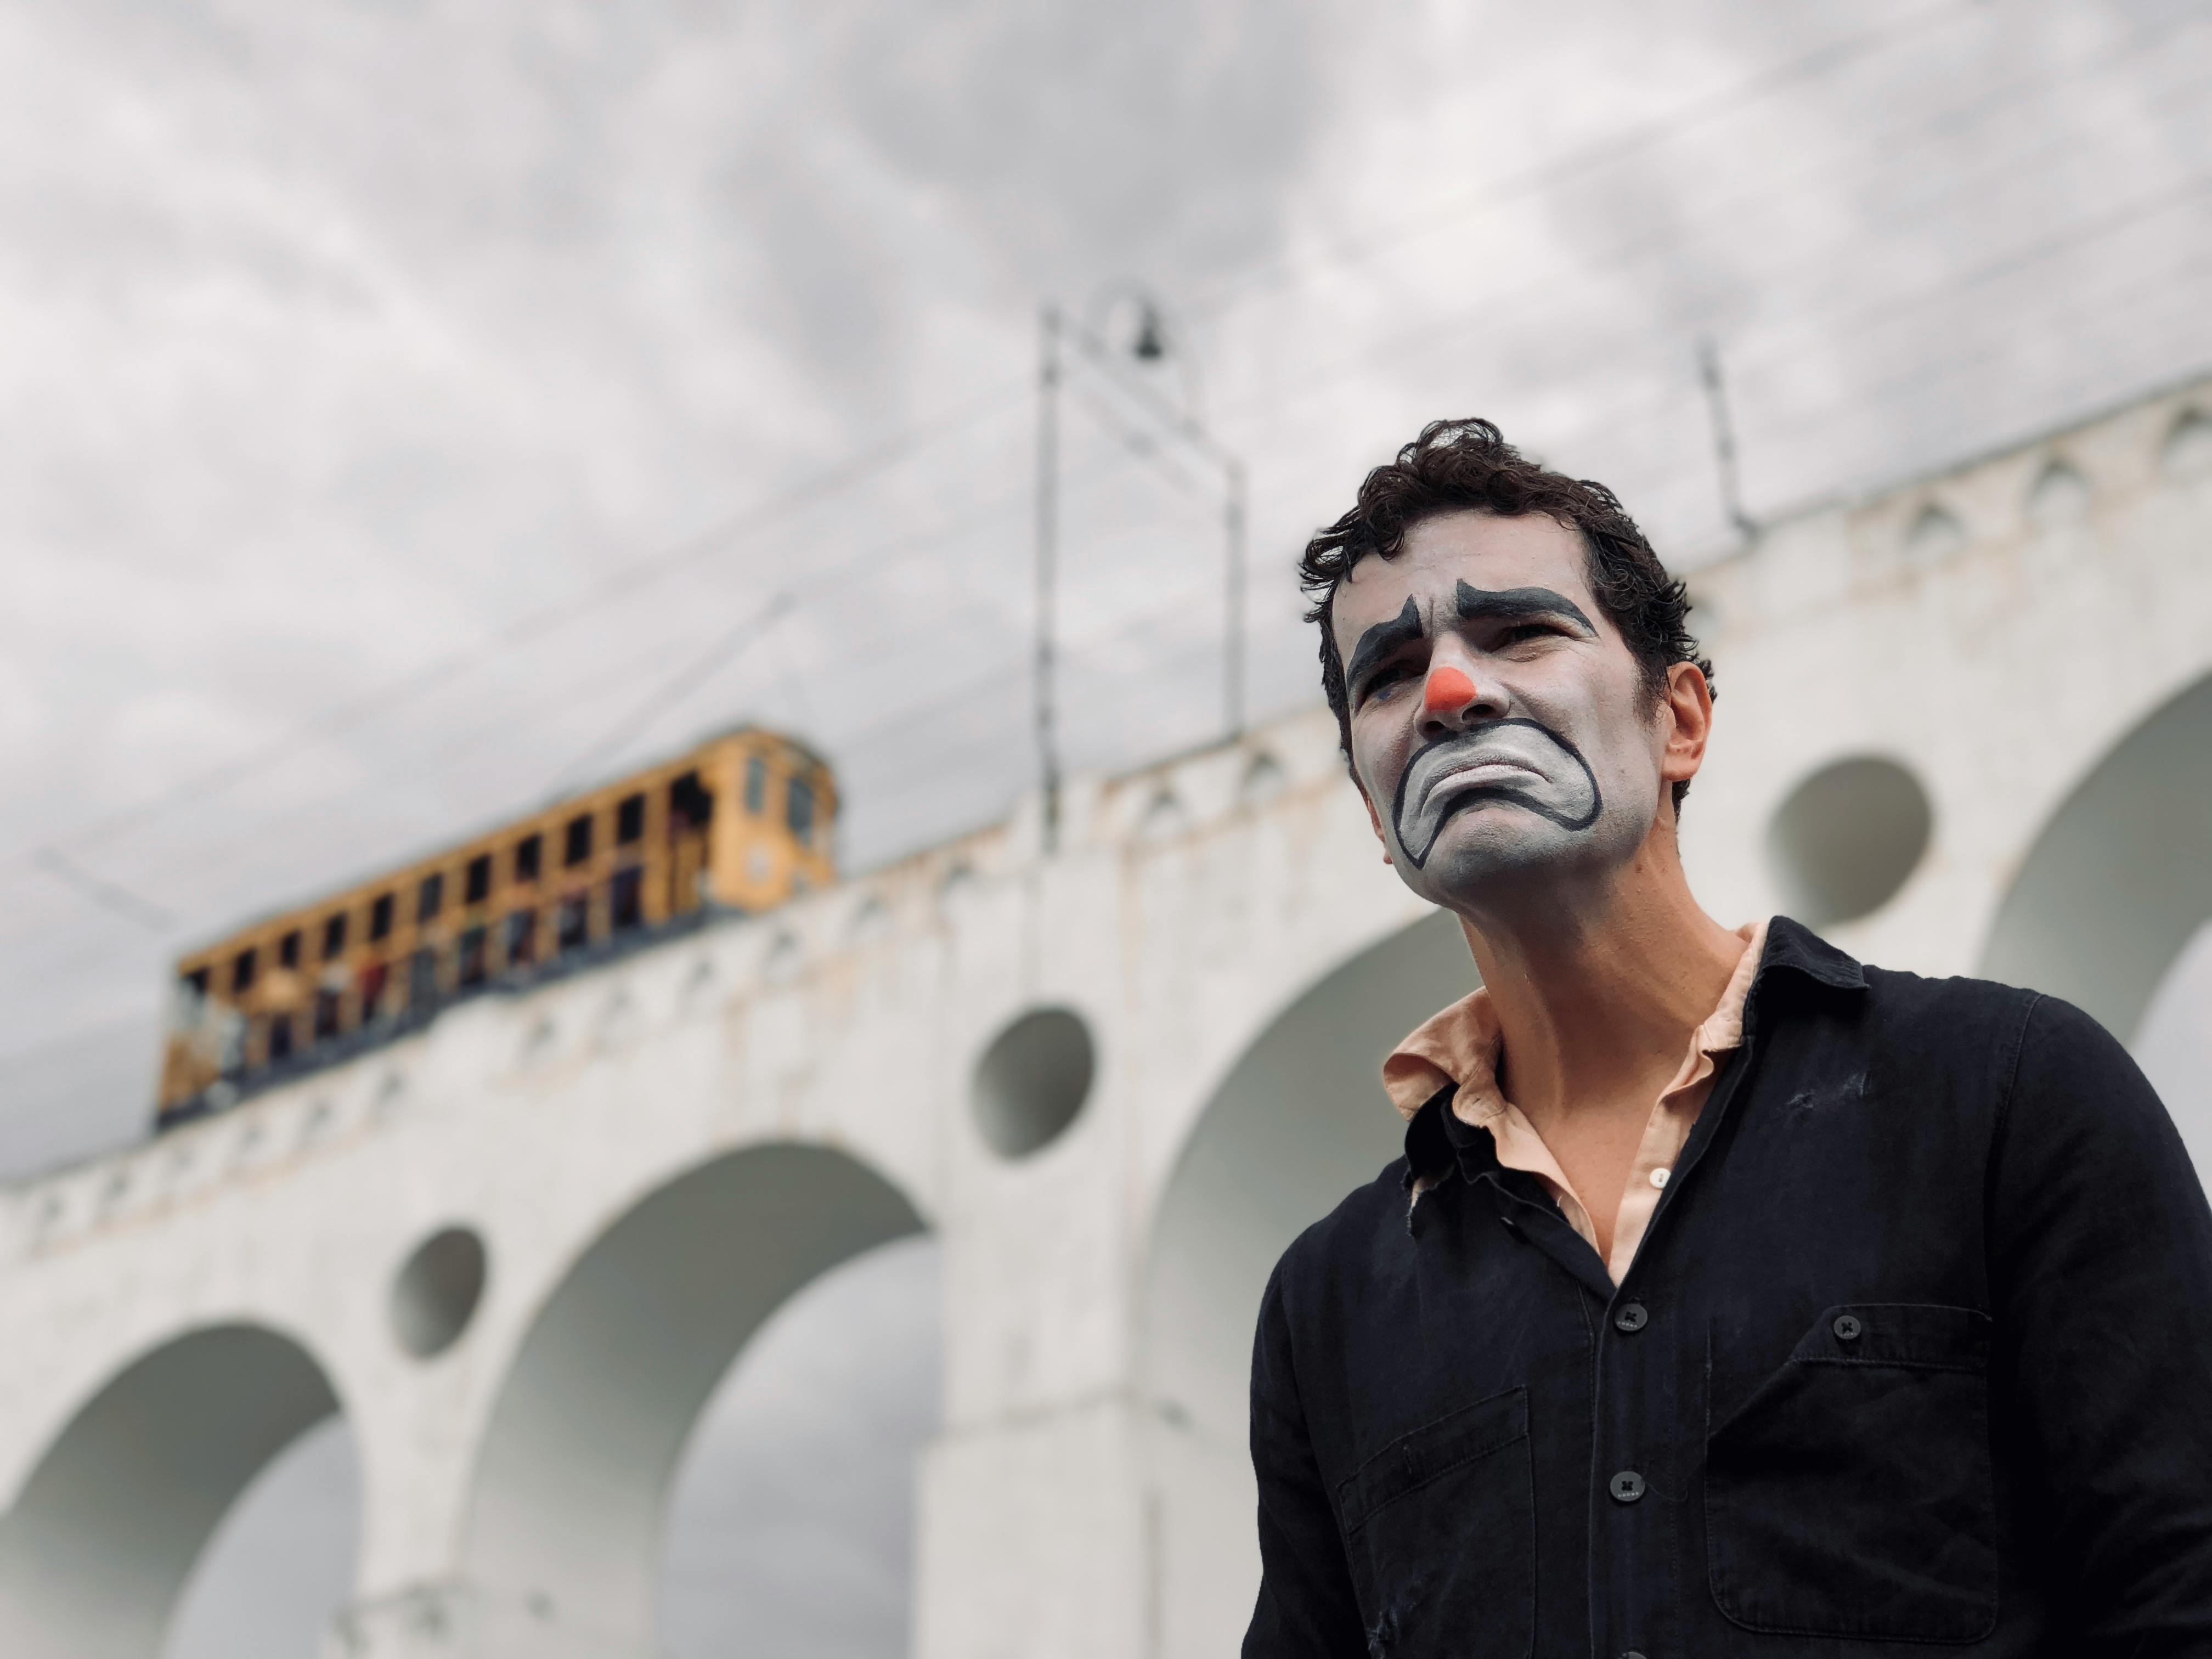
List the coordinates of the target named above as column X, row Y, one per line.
column 1500, row 725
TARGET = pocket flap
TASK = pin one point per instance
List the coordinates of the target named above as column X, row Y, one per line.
column 1417, row 1457
column 1898, row 1333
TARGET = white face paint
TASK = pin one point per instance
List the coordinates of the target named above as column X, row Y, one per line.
column 1509, row 761
column 1500, row 724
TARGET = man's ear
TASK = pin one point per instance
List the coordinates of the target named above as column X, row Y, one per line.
column 1686, row 707
column 1374, row 818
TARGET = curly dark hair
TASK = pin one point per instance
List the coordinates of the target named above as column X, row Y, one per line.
column 1457, row 466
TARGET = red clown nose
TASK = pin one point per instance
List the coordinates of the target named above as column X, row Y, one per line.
column 1447, row 693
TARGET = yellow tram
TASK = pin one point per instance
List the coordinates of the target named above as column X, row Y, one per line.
column 741, row 823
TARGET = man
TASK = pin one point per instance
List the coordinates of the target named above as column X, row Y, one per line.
column 1731, row 1298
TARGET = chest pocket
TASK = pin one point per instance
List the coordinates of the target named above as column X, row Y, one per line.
column 1850, row 1494
column 1440, row 1526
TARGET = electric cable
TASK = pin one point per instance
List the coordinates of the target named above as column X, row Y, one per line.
column 756, row 521
column 1636, row 137
column 1589, row 158
column 1546, row 286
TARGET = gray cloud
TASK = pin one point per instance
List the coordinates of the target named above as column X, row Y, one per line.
column 341, row 338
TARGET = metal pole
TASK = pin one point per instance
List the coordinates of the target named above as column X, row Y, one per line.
column 1708, row 371
column 1047, row 538
column 1233, row 651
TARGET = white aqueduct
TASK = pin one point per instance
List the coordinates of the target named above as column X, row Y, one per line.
column 1965, row 723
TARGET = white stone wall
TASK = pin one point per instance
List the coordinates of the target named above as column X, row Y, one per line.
column 1997, row 645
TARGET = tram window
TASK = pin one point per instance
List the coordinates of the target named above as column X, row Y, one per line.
column 629, row 820
column 380, row 918
column 287, row 950
column 334, row 932
column 197, row 980
column 755, row 785
column 689, row 807
column 241, row 970
column 625, row 895
column 578, row 843
column 430, row 897
column 472, row 957
column 422, row 979
column 326, row 1011
column 529, row 852
column 479, row 879
column 798, row 808
column 279, row 1037
column 573, row 926
column 373, row 978
column 521, row 938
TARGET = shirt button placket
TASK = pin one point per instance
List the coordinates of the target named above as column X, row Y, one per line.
column 1625, row 1553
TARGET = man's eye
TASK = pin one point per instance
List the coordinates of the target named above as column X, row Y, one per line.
column 1522, row 631
column 1389, row 675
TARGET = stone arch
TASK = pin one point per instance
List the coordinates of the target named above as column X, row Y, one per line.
column 101, row 1537
column 1299, row 1120
column 571, row 1481
column 2120, row 877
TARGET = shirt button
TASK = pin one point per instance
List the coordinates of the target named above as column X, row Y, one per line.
column 1659, row 1177
column 1626, row 1486
column 1631, row 1654
column 1631, row 1316
column 1846, row 1327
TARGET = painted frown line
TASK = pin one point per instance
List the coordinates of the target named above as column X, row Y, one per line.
column 1435, row 802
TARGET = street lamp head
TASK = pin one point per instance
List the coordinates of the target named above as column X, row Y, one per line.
column 1150, row 343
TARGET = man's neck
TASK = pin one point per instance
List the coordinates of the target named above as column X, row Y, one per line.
column 1597, row 994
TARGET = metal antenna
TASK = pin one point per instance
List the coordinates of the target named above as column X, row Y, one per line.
column 1047, row 538
column 1717, row 405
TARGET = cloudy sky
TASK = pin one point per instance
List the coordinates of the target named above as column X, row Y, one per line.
column 410, row 407
column 399, row 396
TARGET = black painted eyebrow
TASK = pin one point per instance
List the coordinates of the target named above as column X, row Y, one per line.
column 1379, row 641
column 1517, row 604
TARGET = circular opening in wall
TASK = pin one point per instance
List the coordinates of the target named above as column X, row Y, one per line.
column 1844, row 841
column 437, row 1291
column 1032, row 1081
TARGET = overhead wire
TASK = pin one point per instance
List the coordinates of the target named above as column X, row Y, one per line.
column 775, row 508
column 1745, row 93
column 1810, row 329
column 1545, row 288
column 1824, row 59
column 687, row 678
column 872, row 562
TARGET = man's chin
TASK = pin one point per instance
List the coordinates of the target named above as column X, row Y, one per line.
column 1478, row 850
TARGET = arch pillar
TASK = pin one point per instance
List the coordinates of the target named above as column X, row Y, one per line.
column 1298, row 1122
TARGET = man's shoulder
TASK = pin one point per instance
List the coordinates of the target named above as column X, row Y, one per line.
column 1904, row 995
column 1346, row 1242
column 1985, row 1030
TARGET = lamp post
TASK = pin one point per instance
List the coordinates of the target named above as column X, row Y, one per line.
column 1048, row 553
column 1153, row 340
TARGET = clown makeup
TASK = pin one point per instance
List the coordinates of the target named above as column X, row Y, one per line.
column 1519, row 763
column 1497, row 729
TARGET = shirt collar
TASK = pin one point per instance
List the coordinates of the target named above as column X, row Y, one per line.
column 1456, row 1047
column 1795, row 948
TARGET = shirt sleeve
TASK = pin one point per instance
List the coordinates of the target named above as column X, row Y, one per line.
column 1306, row 1608
column 2100, row 1251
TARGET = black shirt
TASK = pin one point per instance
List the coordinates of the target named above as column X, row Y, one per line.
column 1917, row 1350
